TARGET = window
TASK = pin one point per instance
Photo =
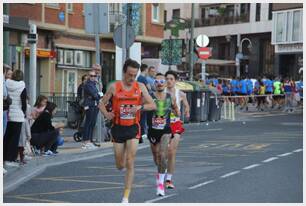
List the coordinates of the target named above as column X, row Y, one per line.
column 203, row 16
column 60, row 56
column 155, row 12
column 280, row 27
column 165, row 16
column 55, row 5
column 78, row 58
column 69, row 57
column 296, row 26
column 70, row 7
column 258, row 12
column 270, row 12
column 176, row 13
column 114, row 7
column 87, row 59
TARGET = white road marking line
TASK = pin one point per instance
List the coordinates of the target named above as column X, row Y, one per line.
column 159, row 198
column 270, row 159
column 230, row 174
column 201, row 184
column 285, row 154
column 298, row 150
column 251, row 166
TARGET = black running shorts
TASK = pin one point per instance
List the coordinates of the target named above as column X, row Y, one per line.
column 154, row 135
column 122, row 133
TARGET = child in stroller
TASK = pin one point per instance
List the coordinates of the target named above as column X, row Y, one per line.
column 76, row 120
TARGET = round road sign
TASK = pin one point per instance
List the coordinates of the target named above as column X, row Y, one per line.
column 202, row 40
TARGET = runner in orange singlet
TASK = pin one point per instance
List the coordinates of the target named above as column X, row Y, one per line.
column 128, row 99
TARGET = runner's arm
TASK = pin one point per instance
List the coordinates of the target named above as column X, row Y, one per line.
column 186, row 105
column 108, row 95
column 148, row 103
column 175, row 107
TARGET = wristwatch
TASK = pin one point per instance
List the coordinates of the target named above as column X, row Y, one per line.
column 142, row 107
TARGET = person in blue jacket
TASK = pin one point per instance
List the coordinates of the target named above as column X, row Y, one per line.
column 91, row 102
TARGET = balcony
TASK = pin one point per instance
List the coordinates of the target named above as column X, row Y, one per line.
column 222, row 20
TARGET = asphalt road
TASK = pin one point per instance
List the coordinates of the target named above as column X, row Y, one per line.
column 257, row 161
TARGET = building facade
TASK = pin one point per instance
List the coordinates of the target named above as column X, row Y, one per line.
column 231, row 26
column 287, row 37
column 65, row 52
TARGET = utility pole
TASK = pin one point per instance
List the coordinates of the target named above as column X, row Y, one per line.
column 98, row 126
column 6, row 56
column 97, row 37
column 191, row 43
column 237, row 57
column 33, row 59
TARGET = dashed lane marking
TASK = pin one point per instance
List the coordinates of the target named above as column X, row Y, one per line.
column 37, row 199
column 201, row 184
column 251, row 166
column 298, row 150
column 159, row 198
column 270, row 159
column 285, row 154
column 230, row 174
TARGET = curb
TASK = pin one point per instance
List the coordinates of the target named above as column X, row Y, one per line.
column 37, row 166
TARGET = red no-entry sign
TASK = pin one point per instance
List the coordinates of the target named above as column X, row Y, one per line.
column 204, row 52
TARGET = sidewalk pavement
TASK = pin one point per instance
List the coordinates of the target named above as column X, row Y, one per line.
column 71, row 151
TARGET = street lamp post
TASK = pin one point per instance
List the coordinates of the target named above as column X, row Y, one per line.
column 240, row 53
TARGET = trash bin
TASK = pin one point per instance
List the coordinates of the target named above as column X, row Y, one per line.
column 196, row 102
column 214, row 108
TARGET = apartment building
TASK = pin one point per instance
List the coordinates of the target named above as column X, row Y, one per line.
column 287, row 38
column 65, row 51
column 230, row 26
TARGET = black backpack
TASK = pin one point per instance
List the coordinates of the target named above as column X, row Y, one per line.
column 6, row 103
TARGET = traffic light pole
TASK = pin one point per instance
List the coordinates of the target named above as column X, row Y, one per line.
column 191, row 43
column 33, row 69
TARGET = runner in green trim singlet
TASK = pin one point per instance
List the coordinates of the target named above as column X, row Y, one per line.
column 159, row 131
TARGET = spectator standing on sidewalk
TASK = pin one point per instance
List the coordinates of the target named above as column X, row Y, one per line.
column 44, row 134
column 99, row 84
column 151, row 78
column 6, row 98
column 17, row 110
column 25, row 134
column 142, row 78
column 9, row 72
column 91, row 101
column 80, row 92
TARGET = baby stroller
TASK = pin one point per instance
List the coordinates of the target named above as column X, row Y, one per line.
column 75, row 118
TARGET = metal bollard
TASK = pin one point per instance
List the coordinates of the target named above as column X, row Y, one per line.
column 233, row 111
column 224, row 110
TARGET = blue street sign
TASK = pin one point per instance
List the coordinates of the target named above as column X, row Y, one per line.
column 61, row 16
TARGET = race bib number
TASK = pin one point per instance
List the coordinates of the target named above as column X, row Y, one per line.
column 158, row 123
column 125, row 112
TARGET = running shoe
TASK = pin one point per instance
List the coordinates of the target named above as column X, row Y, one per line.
column 11, row 164
column 169, row 184
column 160, row 190
column 125, row 200
column 49, row 153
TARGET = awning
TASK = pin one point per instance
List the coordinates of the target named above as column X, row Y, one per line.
column 16, row 23
column 220, row 62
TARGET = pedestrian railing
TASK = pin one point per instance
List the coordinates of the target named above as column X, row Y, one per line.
column 61, row 100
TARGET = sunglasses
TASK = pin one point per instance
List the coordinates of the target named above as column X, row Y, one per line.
column 161, row 81
column 93, row 75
